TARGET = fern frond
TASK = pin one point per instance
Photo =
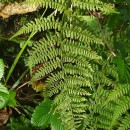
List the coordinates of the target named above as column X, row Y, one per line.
column 93, row 5
column 120, row 91
column 79, row 60
column 71, row 111
column 59, row 5
column 78, row 50
column 75, row 70
column 113, row 111
column 101, row 78
column 65, row 78
column 67, row 53
column 56, row 123
column 80, row 34
column 43, row 51
column 125, row 125
column 106, row 75
column 48, row 68
column 122, row 107
column 39, row 25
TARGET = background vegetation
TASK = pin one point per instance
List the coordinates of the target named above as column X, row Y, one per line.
column 65, row 66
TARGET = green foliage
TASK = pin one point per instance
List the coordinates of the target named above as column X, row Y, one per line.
column 7, row 98
column 1, row 68
column 44, row 119
column 56, row 123
column 112, row 112
column 66, row 54
column 123, row 68
column 20, row 123
column 43, row 116
column 89, row 87
column 3, row 96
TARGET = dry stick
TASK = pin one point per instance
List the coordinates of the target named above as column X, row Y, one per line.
column 104, row 37
column 26, row 84
column 17, row 110
column 22, row 85
column 16, row 8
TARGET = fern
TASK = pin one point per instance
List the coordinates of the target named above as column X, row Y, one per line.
column 60, row 5
column 101, row 107
column 113, row 113
column 56, row 123
column 69, row 58
column 39, row 24
column 107, row 75
column 125, row 124
column 93, row 5
column 63, row 80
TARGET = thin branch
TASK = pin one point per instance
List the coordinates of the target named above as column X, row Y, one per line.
column 103, row 35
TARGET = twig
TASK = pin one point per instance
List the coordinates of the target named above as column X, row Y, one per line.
column 104, row 37
column 22, row 85
column 26, row 84
column 16, row 109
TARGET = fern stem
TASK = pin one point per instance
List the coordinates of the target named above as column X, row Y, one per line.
column 17, row 57
column 43, row 13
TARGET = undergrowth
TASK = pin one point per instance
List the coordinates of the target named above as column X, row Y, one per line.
column 80, row 63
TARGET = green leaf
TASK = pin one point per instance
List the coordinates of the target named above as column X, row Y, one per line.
column 91, row 21
column 42, row 115
column 3, row 96
column 3, row 100
column 56, row 123
column 7, row 98
column 3, row 89
column 1, row 68
column 120, row 66
column 12, row 101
